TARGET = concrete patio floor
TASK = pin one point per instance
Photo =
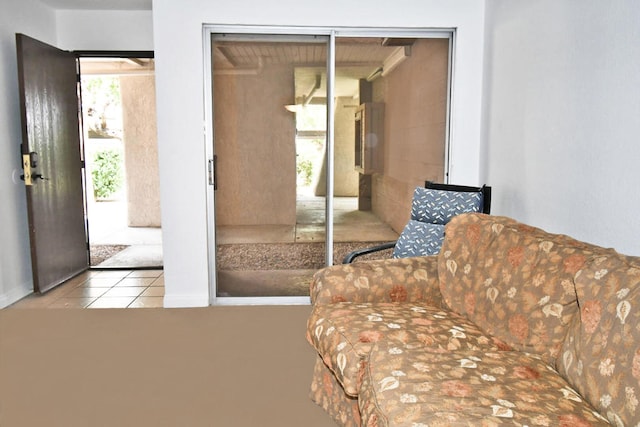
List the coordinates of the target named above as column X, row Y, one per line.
column 108, row 226
column 350, row 225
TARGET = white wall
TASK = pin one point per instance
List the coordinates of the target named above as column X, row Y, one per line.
column 179, row 77
column 31, row 18
column 105, row 29
column 562, row 117
column 72, row 30
column 559, row 141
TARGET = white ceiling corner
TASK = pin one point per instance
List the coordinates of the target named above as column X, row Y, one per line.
column 99, row 4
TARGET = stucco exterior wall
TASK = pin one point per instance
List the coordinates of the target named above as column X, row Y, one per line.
column 415, row 97
column 254, row 141
column 140, row 150
column 344, row 174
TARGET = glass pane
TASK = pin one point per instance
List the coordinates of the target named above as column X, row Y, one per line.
column 390, row 135
column 269, row 98
column 270, row 106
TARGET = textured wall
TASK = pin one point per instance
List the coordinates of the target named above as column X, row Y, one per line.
column 255, row 145
column 140, row 150
column 344, row 174
column 415, row 97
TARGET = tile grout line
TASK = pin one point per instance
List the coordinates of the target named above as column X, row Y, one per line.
column 62, row 292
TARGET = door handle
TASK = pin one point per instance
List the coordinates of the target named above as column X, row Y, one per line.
column 213, row 172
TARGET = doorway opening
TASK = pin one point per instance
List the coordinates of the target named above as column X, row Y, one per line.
column 310, row 146
column 121, row 165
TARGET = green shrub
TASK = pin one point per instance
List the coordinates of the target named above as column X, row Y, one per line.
column 304, row 169
column 106, row 173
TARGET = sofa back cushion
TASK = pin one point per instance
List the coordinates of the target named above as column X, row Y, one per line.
column 601, row 353
column 512, row 280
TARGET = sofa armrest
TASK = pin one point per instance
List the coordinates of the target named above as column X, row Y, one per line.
column 412, row 279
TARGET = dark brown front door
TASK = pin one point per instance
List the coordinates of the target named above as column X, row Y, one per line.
column 50, row 131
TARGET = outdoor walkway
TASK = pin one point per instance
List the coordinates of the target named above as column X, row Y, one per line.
column 350, row 225
column 108, row 226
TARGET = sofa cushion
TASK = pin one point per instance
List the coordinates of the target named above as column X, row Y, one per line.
column 601, row 354
column 419, row 239
column 410, row 280
column 468, row 388
column 328, row 393
column 512, row 280
column 344, row 333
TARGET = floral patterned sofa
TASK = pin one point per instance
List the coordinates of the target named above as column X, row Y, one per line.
column 508, row 325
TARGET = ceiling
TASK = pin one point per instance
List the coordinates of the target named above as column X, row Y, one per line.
column 368, row 51
column 99, row 4
column 117, row 66
column 356, row 58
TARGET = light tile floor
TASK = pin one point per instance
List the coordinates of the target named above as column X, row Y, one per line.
column 103, row 289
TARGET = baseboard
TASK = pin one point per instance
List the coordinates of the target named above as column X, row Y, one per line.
column 182, row 301
column 15, row 295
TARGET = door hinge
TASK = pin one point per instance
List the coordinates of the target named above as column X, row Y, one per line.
column 212, row 172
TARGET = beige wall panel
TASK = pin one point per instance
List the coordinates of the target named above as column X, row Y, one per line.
column 415, row 97
column 140, row 150
column 254, row 139
column 345, row 176
column 392, row 201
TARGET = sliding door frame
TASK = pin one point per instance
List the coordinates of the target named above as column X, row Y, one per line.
column 208, row 30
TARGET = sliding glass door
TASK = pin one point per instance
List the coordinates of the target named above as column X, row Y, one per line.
column 316, row 143
column 269, row 121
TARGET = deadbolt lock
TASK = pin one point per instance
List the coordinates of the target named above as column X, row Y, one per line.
column 26, row 166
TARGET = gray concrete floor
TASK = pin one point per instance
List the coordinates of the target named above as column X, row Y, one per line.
column 350, row 225
column 108, row 226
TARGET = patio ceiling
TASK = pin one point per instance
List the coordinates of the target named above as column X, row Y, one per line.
column 116, row 66
column 356, row 58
